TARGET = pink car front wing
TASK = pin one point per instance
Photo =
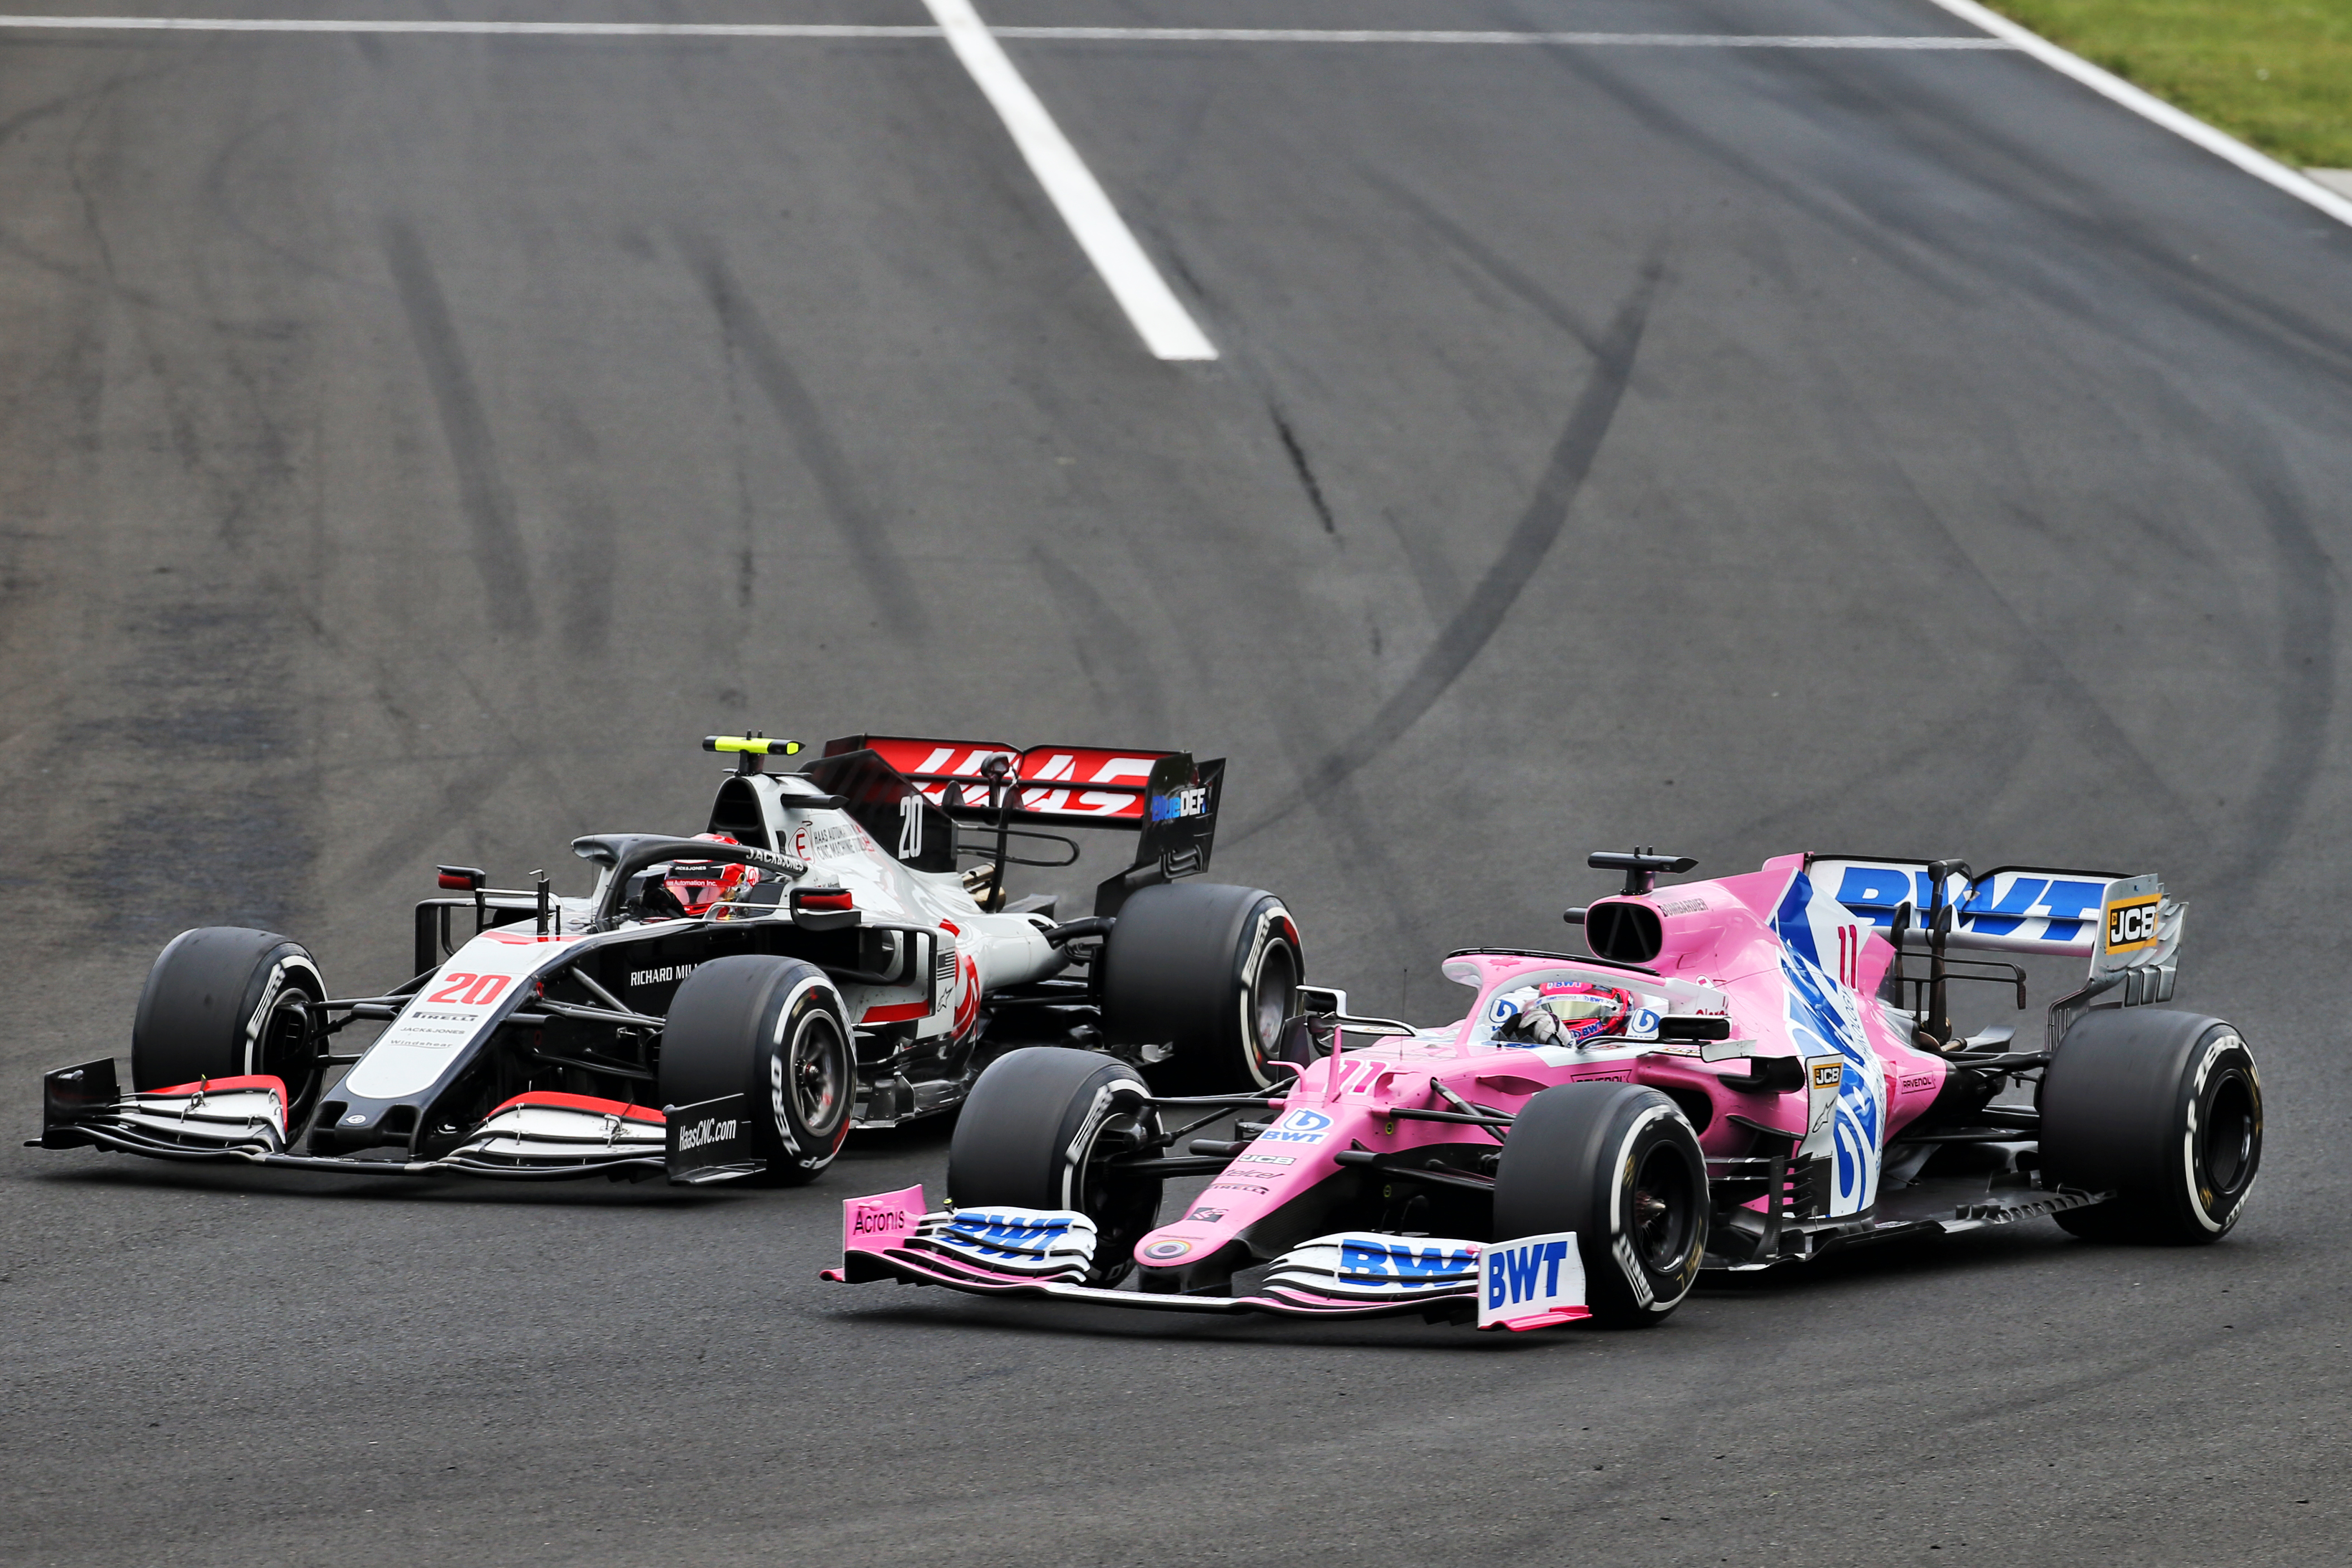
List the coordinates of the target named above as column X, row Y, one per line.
column 1534, row 1282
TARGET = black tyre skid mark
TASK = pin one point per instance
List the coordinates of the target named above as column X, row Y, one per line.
column 482, row 492
column 748, row 335
column 1539, row 524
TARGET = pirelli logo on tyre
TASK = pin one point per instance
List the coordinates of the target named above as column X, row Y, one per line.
column 2131, row 923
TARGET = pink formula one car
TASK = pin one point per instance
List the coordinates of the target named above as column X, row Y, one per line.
column 1746, row 1072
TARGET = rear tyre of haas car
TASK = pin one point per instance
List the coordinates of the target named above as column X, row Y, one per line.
column 1619, row 1165
column 228, row 1002
column 1210, row 970
column 775, row 1031
column 1038, row 1132
column 2162, row 1109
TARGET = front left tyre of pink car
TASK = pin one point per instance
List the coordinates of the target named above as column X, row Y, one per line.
column 1619, row 1165
column 1040, row 1130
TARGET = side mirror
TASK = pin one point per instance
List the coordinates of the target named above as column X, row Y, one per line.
column 1321, row 999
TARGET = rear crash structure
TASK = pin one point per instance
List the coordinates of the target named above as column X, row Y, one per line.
column 835, row 950
column 1743, row 1074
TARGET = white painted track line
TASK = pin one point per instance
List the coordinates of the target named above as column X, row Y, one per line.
column 1167, row 328
column 2147, row 105
column 1443, row 37
column 555, row 29
column 1027, row 35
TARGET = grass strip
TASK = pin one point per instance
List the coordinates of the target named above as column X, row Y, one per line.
column 2275, row 73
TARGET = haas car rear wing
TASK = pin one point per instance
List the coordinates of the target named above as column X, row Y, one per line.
column 1168, row 800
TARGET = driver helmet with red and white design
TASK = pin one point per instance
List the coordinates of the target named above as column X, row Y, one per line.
column 696, row 885
column 1561, row 1013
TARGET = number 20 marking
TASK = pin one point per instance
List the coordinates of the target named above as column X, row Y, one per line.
column 471, row 990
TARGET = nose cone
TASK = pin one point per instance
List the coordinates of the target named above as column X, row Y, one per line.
column 1185, row 1260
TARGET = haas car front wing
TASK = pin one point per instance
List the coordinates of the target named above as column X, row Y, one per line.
column 1534, row 1282
column 537, row 1136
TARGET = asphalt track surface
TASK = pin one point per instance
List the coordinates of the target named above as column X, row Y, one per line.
column 409, row 446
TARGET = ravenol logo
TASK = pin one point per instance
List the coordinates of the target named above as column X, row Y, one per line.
column 1298, row 1127
column 2131, row 923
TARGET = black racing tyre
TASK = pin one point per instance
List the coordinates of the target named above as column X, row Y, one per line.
column 1619, row 1165
column 1208, row 970
column 775, row 1031
column 1037, row 1133
column 2164, row 1110
column 228, row 1002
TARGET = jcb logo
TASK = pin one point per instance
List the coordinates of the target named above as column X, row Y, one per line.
column 2131, row 923
column 1828, row 1075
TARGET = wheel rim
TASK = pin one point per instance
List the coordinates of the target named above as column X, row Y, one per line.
column 284, row 1050
column 1124, row 1208
column 819, row 1070
column 2231, row 1121
column 1663, row 1211
column 1271, row 992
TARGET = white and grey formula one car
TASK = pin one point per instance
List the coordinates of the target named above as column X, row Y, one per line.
column 825, row 955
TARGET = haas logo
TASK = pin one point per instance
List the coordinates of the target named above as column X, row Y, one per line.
column 967, row 994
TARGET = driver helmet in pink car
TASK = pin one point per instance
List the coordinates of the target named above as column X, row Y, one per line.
column 1565, row 1012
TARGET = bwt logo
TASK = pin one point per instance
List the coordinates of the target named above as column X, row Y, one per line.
column 706, row 1132
column 1002, row 1233
column 1370, row 1259
column 1515, row 1274
column 1298, row 1127
column 877, row 1222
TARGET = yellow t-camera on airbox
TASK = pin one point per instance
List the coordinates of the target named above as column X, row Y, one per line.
column 749, row 749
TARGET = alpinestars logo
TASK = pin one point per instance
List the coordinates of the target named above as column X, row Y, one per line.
column 708, row 1131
